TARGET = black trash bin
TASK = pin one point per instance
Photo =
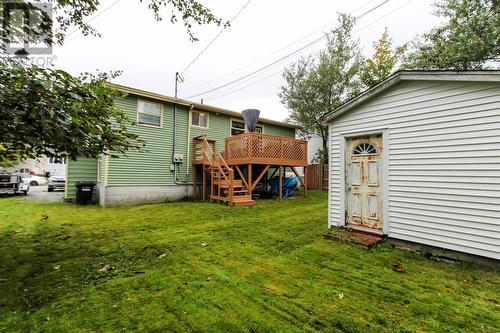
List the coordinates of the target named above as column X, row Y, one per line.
column 84, row 192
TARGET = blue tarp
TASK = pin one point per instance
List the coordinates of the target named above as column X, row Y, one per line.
column 289, row 186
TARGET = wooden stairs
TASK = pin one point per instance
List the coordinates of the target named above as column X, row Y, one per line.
column 224, row 187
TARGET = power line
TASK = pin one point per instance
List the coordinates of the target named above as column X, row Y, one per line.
column 244, row 87
column 215, row 38
column 94, row 17
column 285, row 47
column 275, row 73
column 284, row 57
column 90, row 20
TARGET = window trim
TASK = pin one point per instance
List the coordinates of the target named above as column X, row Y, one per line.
column 231, row 126
column 197, row 126
column 149, row 125
column 246, row 128
column 365, row 151
column 263, row 128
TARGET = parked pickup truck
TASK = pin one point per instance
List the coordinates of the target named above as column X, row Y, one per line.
column 11, row 183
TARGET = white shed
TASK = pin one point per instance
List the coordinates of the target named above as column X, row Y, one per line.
column 417, row 158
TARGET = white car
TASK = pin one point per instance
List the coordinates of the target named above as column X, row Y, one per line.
column 33, row 180
column 57, row 181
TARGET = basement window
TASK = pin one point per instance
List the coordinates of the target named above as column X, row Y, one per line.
column 199, row 119
column 149, row 113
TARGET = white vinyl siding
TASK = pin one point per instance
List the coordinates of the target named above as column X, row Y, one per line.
column 443, row 165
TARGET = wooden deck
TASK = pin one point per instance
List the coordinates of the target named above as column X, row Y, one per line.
column 255, row 148
column 249, row 160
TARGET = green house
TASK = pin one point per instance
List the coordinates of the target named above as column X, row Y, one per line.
column 163, row 170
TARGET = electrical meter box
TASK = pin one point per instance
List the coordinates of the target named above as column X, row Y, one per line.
column 178, row 158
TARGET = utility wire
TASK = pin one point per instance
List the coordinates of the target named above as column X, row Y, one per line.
column 94, row 17
column 284, row 57
column 90, row 20
column 215, row 38
column 275, row 73
column 244, row 87
column 285, row 47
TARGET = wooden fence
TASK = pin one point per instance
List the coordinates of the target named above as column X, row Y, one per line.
column 317, row 176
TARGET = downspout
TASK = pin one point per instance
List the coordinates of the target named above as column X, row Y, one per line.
column 188, row 140
column 176, row 181
column 176, row 178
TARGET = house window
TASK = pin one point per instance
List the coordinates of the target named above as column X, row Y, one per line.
column 57, row 160
column 237, row 127
column 259, row 129
column 149, row 113
column 199, row 119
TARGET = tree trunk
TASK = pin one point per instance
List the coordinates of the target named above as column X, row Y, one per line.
column 324, row 138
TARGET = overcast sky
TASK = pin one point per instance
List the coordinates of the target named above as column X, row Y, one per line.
column 149, row 52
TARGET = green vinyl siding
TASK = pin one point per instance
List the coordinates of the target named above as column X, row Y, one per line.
column 279, row 130
column 101, row 169
column 151, row 166
column 81, row 169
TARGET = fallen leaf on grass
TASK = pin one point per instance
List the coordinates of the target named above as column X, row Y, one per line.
column 398, row 267
column 340, row 295
column 161, row 256
column 106, row 268
column 204, row 244
column 57, row 267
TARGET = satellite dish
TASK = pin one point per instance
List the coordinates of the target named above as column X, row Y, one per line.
column 251, row 117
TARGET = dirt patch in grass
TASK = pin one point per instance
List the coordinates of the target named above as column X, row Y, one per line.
column 266, row 268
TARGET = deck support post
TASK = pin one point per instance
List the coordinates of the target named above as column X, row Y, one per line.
column 250, row 182
column 280, row 186
column 241, row 175
column 230, row 188
column 194, row 181
column 257, row 180
column 305, row 181
column 211, row 183
column 204, row 184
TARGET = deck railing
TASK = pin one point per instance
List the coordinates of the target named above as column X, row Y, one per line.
column 258, row 148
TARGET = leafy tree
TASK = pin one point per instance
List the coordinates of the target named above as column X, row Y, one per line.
column 469, row 39
column 316, row 85
column 383, row 61
column 48, row 111
column 74, row 14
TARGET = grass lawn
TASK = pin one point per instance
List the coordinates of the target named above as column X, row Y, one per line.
column 262, row 269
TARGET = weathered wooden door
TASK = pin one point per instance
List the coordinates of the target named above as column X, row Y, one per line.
column 363, row 181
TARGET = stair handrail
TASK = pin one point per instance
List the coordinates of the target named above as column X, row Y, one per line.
column 205, row 143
